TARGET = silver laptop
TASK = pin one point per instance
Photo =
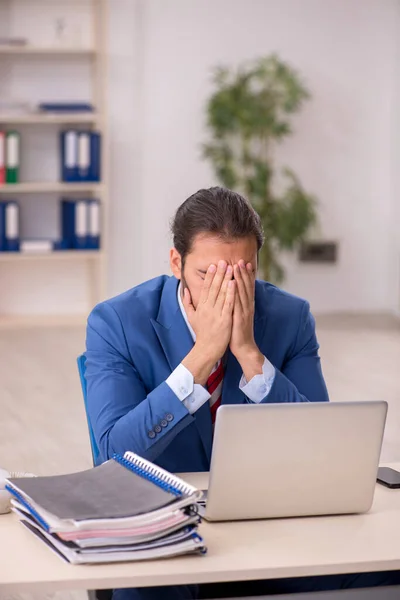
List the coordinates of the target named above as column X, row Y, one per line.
column 291, row 460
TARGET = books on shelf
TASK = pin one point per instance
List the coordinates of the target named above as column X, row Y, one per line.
column 79, row 228
column 41, row 246
column 126, row 509
column 9, row 226
column 80, row 223
column 2, row 157
column 80, row 156
column 69, row 107
column 10, row 142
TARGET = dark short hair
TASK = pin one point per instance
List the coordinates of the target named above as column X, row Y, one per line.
column 217, row 211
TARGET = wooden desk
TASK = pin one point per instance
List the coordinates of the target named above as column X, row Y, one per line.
column 236, row 551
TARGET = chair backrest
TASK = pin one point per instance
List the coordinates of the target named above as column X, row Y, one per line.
column 81, row 360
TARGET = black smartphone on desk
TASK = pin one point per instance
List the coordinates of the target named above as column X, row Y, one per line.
column 389, row 477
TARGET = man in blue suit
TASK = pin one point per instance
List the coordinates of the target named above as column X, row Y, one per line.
column 163, row 356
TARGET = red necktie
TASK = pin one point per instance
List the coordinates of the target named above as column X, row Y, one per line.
column 214, row 387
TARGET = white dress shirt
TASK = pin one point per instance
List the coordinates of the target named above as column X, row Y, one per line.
column 194, row 395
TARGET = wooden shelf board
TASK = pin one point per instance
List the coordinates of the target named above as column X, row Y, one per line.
column 46, row 50
column 9, row 321
column 49, row 187
column 55, row 255
column 39, row 118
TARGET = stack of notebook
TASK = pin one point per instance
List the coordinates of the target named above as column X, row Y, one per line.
column 126, row 509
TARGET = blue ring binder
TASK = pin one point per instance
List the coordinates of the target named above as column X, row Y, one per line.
column 146, row 475
column 29, row 508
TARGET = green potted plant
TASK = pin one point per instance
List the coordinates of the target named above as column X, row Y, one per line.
column 247, row 115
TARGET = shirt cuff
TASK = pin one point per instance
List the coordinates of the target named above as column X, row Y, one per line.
column 260, row 385
column 192, row 395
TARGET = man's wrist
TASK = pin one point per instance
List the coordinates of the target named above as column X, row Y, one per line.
column 200, row 363
column 251, row 360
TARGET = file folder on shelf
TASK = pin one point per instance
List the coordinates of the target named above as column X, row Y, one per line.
column 94, row 224
column 2, row 226
column 69, row 155
column 9, row 226
column 80, row 156
column 2, row 157
column 66, row 107
column 89, row 159
column 84, row 156
column 12, row 226
column 12, row 156
column 74, row 223
column 95, row 157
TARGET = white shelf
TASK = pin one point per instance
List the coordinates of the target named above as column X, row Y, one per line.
column 29, row 321
column 56, row 255
column 89, row 83
column 47, row 50
column 49, row 188
column 49, row 118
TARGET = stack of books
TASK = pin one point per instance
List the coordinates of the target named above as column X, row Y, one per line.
column 126, row 509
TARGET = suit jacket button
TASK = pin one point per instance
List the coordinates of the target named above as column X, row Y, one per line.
column 157, row 429
column 151, row 434
column 163, row 422
column 169, row 417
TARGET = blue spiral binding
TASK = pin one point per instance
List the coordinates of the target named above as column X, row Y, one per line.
column 167, row 487
column 198, row 539
column 28, row 507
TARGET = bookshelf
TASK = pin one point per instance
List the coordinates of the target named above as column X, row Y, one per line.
column 53, row 256
column 50, row 187
column 50, row 51
column 37, row 118
column 36, row 66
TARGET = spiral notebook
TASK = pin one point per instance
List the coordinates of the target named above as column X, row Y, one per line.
column 184, row 542
column 125, row 509
column 120, row 493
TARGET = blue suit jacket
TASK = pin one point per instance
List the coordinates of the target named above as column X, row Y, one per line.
column 135, row 341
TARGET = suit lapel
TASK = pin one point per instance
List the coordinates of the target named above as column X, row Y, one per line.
column 170, row 326
column 176, row 342
column 260, row 316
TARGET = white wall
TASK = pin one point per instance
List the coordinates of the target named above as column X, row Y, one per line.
column 346, row 146
column 342, row 148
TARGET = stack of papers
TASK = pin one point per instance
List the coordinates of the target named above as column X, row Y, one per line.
column 126, row 509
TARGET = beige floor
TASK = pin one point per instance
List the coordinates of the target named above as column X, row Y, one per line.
column 43, row 427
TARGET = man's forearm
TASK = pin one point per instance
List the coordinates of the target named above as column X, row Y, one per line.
column 200, row 363
column 251, row 360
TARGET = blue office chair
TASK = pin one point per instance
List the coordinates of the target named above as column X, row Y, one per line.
column 81, row 360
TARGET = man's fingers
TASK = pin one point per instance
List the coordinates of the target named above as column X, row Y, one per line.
column 241, row 292
column 229, row 298
column 217, row 282
column 208, row 279
column 224, row 288
column 246, row 272
column 187, row 302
